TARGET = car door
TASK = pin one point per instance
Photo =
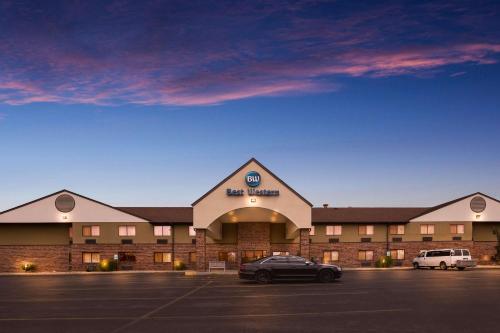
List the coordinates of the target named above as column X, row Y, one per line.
column 301, row 268
column 279, row 267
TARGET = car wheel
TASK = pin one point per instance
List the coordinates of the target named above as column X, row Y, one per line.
column 443, row 266
column 415, row 265
column 461, row 268
column 326, row 276
column 262, row 277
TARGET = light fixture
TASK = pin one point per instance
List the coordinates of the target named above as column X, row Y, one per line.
column 253, row 200
column 478, row 216
column 65, row 217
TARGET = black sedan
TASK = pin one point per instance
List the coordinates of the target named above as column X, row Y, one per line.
column 267, row 269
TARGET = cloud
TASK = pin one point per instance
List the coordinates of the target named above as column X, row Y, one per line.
column 175, row 53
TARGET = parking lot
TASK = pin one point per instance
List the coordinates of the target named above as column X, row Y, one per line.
column 363, row 301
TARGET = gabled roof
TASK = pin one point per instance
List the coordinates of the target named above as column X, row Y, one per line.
column 432, row 209
column 73, row 193
column 365, row 214
column 162, row 214
column 243, row 166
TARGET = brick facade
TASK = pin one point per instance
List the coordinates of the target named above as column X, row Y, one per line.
column 47, row 258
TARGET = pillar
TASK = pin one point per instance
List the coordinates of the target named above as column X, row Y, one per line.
column 304, row 243
column 201, row 250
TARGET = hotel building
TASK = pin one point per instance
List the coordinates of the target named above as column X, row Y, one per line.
column 250, row 214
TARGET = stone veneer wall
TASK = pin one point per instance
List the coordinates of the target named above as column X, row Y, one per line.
column 47, row 258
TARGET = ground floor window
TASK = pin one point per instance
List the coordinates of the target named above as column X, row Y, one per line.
column 229, row 257
column 91, row 257
column 398, row 254
column 282, row 253
column 192, row 257
column 162, row 257
column 247, row 256
column 365, row 255
column 329, row 256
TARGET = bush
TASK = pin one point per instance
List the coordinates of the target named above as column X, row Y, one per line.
column 28, row 267
column 108, row 265
column 179, row 265
column 384, row 261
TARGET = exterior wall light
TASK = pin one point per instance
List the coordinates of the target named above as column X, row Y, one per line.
column 253, row 200
column 478, row 216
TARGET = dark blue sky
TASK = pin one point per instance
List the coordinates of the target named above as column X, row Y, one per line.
column 153, row 103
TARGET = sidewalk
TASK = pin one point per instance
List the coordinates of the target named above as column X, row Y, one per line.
column 216, row 272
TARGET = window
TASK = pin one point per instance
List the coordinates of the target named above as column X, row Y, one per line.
column 162, row 230
column 466, row 253
column 91, row 257
column 398, row 254
column 427, row 229
column 192, row 257
column 90, row 231
column 457, row 252
column 163, row 257
column 229, row 257
column 365, row 230
column 192, row 231
column 329, row 256
column 397, row 229
column 311, row 231
column 277, row 253
column 364, row 255
column 126, row 230
column 457, row 228
column 333, row 230
column 296, row 260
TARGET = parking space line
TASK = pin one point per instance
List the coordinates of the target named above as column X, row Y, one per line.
column 263, row 315
column 281, row 295
column 161, row 307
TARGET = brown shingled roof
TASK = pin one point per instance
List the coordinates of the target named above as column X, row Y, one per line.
column 365, row 215
column 162, row 214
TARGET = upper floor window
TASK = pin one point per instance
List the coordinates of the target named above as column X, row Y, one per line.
column 333, row 230
column 192, row 231
column 162, row 230
column 126, row 230
column 365, row 229
column 457, row 228
column 91, row 230
column 427, row 229
column 312, row 231
column 397, row 229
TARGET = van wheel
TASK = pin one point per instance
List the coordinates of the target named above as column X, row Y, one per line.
column 461, row 268
column 262, row 277
column 415, row 265
column 325, row 276
column 443, row 266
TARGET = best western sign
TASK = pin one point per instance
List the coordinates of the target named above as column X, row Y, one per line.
column 252, row 180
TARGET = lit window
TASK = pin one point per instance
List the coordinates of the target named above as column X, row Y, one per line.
column 162, row 257
column 162, row 230
column 364, row 255
column 126, row 230
column 192, row 231
column 311, row 231
column 90, row 231
column 457, row 228
column 278, row 253
column 427, row 229
column 91, row 257
column 397, row 229
column 192, row 257
column 333, row 230
column 365, row 229
column 329, row 256
column 398, row 254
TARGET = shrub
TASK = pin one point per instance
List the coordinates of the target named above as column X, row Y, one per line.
column 108, row 265
column 28, row 267
column 384, row 261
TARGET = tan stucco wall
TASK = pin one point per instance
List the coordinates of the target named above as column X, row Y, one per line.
column 441, row 231
column 278, row 234
column 484, row 231
column 350, row 233
column 218, row 202
column 34, row 234
column 229, row 234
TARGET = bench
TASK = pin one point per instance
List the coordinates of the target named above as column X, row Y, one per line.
column 216, row 264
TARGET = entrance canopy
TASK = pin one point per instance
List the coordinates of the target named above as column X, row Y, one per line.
column 252, row 186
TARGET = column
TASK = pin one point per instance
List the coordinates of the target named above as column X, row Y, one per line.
column 304, row 243
column 201, row 250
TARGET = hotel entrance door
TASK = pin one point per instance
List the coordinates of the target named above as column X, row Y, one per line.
column 251, row 255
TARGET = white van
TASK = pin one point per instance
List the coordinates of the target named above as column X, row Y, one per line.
column 444, row 258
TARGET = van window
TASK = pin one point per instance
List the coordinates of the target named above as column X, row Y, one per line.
column 457, row 252
column 446, row 253
column 432, row 254
column 466, row 253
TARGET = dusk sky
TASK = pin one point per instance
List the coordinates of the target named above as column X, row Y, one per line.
column 152, row 103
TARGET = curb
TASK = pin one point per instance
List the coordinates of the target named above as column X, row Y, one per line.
column 92, row 273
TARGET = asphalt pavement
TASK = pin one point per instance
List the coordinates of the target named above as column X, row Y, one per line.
column 362, row 301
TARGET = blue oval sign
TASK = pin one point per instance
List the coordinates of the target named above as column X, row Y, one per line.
column 252, row 179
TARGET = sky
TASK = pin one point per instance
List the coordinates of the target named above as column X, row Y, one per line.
column 152, row 103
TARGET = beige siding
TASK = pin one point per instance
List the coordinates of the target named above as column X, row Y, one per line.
column 350, row 233
column 441, row 231
column 182, row 234
column 34, row 234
